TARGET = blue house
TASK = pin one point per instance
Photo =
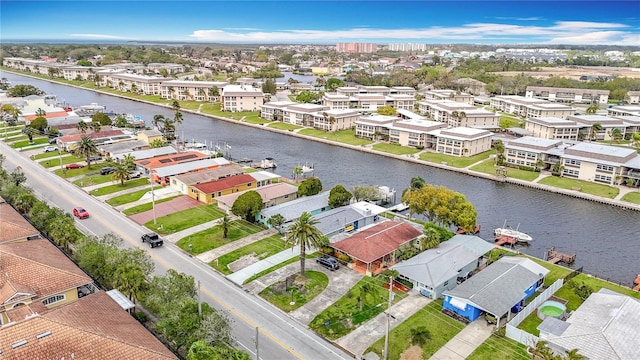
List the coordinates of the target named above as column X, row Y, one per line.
column 498, row 290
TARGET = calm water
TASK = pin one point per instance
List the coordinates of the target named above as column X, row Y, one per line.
column 606, row 239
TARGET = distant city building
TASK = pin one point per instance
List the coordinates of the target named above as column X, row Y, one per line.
column 354, row 48
column 407, row 47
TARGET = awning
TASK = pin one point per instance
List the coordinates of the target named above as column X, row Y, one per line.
column 458, row 303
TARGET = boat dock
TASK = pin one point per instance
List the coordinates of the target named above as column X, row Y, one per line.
column 555, row 257
column 504, row 239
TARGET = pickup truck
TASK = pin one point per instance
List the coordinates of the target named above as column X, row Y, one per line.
column 153, row 239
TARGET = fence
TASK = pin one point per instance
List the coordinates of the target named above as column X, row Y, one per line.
column 522, row 336
column 574, row 273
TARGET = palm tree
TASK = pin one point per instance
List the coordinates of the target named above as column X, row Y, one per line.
column 96, row 126
column 297, row 171
column 499, row 146
column 130, row 280
column 420, row 335
column 41, row 113
column 121, row 173
column 304, row 234
column 636, row 140
column 592, row 109
column 225, row 224
column 615, row 135
column 86, row 148
column 595, row 128
column 31, row 131
column 82, row 126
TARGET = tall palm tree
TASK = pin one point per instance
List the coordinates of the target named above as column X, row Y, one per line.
column 86, row 148
column 121, row 173
column 129, row 279
column 177, row 117
column 592, row 109
column 595, row 128
column 82, row 126
column 304, row 234
column 41, row 113
column 96, row 126
column 225, row 224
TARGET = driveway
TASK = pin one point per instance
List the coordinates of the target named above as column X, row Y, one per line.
column 166, row 208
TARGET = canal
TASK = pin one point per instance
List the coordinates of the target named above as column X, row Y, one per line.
column 605, row 238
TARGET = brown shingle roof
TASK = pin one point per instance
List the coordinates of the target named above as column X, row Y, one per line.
column 93, row 327
column 12, row 225
column 224, row 184
column 377, row 241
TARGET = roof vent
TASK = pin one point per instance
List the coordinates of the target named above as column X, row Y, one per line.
column 46, row 333
column 19, row 343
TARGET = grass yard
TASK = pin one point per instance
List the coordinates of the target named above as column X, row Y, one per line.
column 213, row 237
column 395, row 149
column 342, row 136
column 36, row 141
column 441, row 328
column 46, row 155
column 530, row 324
column 509, row 121
column 633, row 197
column 127, row 198
column 117, row 187
column 77, row 172
column 55, row 161
column 261, row 249
column 146, row 207
column 582, row 186
column 488, row 167
column 256, row 119
column 282, row 293
column 364, row 301
column 185, row 219
column 283, row 126
column 500, row 348
column 92, row 180
column 458, row 162
column 278, row 266
column 565, row 292
column 210, row 108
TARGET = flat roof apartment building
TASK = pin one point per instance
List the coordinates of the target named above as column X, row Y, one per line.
column 191, row 90
column 450, row 95
column 529, row 107
column 571, row 95
column 237, row 98
column 458, row 114
column 462, row 141
column 553, row 128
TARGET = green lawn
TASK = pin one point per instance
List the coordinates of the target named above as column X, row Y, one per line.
column 488, row 167
column 117, row 187
column 16, row 138
column 582, row 186
column 510, row 121
column 185, row 219
column 92, row 180
column 280, row 294
column 256, row 119
column 283, row 126
column 77, row 172
column 500, row 348
column 441, row 328
column 46, row 155
column 213, row 237
column 455, row 161
column 55, row 161
column 530, row 324
column 349, row 312
column 574, row 301
column 261, row 249
column 36, row 141
column 633, row 197
column 342, row 136
column 395, row 149
column 127, row 198
column 146, row 207
column 278, row 266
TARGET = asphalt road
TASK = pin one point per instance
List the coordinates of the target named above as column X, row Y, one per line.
column 280, row 336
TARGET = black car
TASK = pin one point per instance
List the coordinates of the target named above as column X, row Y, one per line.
column 107, row 170
column 329, row 262
column 153, row 239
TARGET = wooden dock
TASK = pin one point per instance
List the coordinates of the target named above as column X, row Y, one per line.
column 636, row 282
column 503, row 239
column 555, row 257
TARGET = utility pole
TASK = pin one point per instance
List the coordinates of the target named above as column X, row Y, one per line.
column 153, row 198
column 199, row 303
column 386, row 338
column 257, row 347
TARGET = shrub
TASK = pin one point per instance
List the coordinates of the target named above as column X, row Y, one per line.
column 344, row 257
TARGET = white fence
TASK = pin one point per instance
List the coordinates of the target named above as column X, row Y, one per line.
column 522, row 336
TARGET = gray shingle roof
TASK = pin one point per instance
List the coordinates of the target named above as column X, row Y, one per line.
column 190, row 166
column 292, row 209
column 500, row 286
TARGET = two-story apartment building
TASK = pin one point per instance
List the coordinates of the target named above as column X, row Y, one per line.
column 607, row 125
column 570, row 95
column 514, row 104
column 237, row 98
column 374, row 126
column 301, row 114
column 529, row 150
column 414, row 133
column 336, row 101
column 450, row 95
column 553, row 128
column 334, row 119
column 135, row 83
column 459, row 114
column 462, row 141
column 191, row 90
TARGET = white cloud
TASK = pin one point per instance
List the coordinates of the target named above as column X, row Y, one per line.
column 567, row 32
column 99, row 36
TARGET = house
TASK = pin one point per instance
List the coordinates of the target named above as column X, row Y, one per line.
column 94, row 327
column 147, row 153
column 603, row 327
column 293, row 209
column 70, row 142
column 208, row 191
column 500, row 289
column 111, row 150
column 150, row 136
column 147, row 165
column 13, row 226
column 36, row 277
column 236, row 98
column 265, row 178
column 162, row 175
column 348, row 218
column 373, row 249
column 435, row 270
column 182, row 182
column 271, row 194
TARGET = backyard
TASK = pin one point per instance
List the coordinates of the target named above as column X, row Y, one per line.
column 185, row 219
column 455, row 161
column 582, row 186
column 214, row 236
column 498, row 347
column 260, row 249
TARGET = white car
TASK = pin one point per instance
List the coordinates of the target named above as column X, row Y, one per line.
column 50, row 148
column 134, row 174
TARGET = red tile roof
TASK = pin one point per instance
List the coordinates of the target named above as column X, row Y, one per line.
column 49, row 115
column 224, row 184
column 375, row 242
column 95, row 135
column 171, row 159
column 93, row 327
column 13, row 226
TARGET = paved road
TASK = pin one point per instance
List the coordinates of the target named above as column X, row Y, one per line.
column 280, row 337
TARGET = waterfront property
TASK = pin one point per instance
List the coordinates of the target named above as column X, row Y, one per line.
column 415, row 133
column 461, row 141
column 183, row 182
column 603, row 327
column 162, row 175
column 498, row 290
column 459, row 114
column 570, row 95
column 271, row 194
column 435, row 270
column 530, row 107
column 208, row 191
column 348, row 219
column 375, row 248
column 191, row 90
column 146, row 165
column 553, row 128
column 237, row 98
column 293, row 209
column 146, row 153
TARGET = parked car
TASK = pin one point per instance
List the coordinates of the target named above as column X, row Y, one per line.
column 50, row 148
column 153, row 239
column 107, row 170
column 329, row 262
column 73, row 166
column 53, row 140
column 134, row 174
column 80, row 212
column 95, row 157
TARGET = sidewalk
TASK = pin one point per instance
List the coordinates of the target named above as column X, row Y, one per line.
column 239, row 277
column 465, row 342
column 212, row 254
column 361, row 338
column 159, row 194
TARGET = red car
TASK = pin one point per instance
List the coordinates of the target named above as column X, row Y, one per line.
column 74, row 166
column 80, row 212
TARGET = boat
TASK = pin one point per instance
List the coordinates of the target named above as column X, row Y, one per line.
column 91, row 109
column 267, row 163
column 462, row 231
column 507, row 231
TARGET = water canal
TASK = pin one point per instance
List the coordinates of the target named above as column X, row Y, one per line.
column 605, row 238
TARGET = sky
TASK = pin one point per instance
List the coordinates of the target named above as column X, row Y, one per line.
column 324, row 22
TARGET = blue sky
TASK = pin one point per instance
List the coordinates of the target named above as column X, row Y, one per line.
column 325, row 22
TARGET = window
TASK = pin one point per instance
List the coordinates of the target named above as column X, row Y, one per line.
column 446, row 283
column 54, row 299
